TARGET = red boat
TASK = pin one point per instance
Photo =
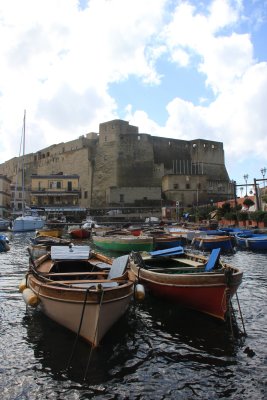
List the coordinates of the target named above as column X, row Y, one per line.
column 80, row 233
column 189, row 280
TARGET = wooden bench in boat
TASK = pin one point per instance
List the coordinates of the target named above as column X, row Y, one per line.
column 84, row 283
column 193, row 263
column 52, row 274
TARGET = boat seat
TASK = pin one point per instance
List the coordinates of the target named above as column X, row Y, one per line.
column 118, row 267
column 87, row 285
column 213, row 260
column 101, row 265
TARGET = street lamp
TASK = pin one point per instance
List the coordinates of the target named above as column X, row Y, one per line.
column 263, row 172
column 246, row 180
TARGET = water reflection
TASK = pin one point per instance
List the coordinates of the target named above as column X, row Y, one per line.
column 156, row 351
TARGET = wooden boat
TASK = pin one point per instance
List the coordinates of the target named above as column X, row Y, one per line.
column 80, row 233
column 54, row 232
column 4, row 244
column 41, row 245
column 4, row 224
column 81, row 290
column 124, row 243
column 251, row 241
column 166, row 241
column 209, row 242
column 190, row 280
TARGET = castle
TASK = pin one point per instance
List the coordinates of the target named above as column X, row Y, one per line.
column 121, row 167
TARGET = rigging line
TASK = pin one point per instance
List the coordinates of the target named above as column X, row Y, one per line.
column 241, row 316
column 96, row 329
column 79, row 329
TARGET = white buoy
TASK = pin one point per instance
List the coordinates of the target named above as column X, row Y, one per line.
column 139, row 292
column 22, row 285
column 30, row 297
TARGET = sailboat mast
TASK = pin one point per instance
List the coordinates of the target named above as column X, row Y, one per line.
column 23, row 164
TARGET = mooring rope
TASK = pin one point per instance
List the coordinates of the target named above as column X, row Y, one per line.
column 241, row 316
column 96, row 329
column 79, row 329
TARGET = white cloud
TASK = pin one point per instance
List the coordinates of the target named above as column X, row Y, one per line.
column 58, row 61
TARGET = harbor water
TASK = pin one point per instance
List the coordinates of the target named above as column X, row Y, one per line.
column 156, row 351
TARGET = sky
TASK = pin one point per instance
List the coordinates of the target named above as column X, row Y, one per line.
column 174, row 68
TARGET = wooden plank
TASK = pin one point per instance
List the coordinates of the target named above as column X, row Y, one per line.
column 75, row 273
column 70, row 253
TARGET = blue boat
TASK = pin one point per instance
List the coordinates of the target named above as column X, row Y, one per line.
column 210, row 242
column 251, row 241
column 4, row 246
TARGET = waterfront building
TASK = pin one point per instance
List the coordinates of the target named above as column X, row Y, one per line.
column 120, row 167
column 55, row 190
column 4, row 196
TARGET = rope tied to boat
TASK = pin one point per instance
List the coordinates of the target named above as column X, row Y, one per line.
column 79, row 329
column 228, row 273
column 100, row 290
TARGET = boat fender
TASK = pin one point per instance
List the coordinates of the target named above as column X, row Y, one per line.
column 200, row 244
column 247, row 244
column 193, row 240
column 22, row 285
column 30, row 297
column 139, row 292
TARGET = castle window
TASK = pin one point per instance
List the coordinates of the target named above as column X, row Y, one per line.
column 85, row 194
column 187, row 186
column 175, row 186
column 121, row 198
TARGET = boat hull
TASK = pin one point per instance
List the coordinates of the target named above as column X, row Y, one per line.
column 80, row 233
column 207, row 292
column 162, row 243
column 24, row 224
column 124, row 244
column 66, row 308
column 210, row 242
column 252, row 242
column 50, row 232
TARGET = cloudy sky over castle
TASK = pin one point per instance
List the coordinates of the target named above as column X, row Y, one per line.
column 174, row 68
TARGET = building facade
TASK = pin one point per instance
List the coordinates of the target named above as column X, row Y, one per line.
column 120, row 167
column 5, row 196
column 55, row 190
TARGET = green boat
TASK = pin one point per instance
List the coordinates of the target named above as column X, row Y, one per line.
column 124, row 244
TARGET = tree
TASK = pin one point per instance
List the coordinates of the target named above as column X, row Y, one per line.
column 248, row 202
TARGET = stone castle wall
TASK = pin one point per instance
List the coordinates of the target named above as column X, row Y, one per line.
column 118, row 159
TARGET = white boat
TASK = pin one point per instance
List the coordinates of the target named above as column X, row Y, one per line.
column 4, row 224
column 84, row 291
column 26, row 222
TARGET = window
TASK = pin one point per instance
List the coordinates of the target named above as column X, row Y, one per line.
column 121, row 198
column 58, row 185
column 85, row 194
column 187, row 186
column 175, row 186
